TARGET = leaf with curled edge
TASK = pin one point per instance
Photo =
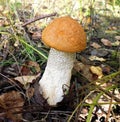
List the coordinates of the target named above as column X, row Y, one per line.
column 26, row 80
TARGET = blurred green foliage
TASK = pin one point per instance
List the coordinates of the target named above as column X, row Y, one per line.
column 117, row 2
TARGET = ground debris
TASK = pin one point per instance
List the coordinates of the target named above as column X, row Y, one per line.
column 11, row 106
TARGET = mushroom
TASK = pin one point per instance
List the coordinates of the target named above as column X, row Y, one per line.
column 65, row 36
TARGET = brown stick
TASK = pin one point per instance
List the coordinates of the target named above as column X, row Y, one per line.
column 38, row 18
column 109, row 94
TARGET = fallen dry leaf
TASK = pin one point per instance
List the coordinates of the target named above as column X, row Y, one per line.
column 11, row 103
column 97, row 71
column 99, row 52
column 30, row 68
column 95, row 45
column 83, row 69
column 113, row 28
column 116, row 43
column 78, row 66
column 117, row 38
column 26, row 80
column 106, row 42
column 93, row 58
column 35, row 65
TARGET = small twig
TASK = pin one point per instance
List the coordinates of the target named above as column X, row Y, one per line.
column 38, row 18
column 109, row 94
column 10, row 73
column 12, row 82
column 109, row 110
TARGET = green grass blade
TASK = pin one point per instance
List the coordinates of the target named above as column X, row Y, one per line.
column 95, row 101
column 40, row 53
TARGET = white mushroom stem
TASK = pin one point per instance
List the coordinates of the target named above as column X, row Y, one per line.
column 57, row 75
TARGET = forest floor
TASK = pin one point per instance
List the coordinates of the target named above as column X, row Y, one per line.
column 94, row 93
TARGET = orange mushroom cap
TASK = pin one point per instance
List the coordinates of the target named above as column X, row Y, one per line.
column 65, row 34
